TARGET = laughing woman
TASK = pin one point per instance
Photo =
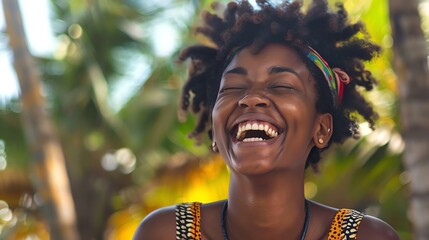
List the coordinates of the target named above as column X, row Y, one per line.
column 276, row 88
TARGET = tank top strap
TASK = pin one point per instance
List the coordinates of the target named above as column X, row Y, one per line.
column 188, row 218
column 345, row 225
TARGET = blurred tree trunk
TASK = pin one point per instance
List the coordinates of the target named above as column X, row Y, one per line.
column 48, row 165
column 411, row 66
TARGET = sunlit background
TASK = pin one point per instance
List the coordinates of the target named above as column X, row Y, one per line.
column 111, row 83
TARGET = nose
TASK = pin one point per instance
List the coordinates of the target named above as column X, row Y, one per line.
column 253, row 101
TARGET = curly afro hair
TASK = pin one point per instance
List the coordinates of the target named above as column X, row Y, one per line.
column 342, row 44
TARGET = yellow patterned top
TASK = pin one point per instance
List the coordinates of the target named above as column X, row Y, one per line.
column 345, row 225
column 188, row 216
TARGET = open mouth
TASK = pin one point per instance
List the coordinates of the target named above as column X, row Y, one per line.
column 254, row 131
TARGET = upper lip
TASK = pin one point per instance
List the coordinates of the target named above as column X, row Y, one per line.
column 261, row 117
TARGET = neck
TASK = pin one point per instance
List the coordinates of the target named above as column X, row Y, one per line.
column 273, row 206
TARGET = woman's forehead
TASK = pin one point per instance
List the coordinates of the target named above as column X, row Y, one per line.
column 271, row 55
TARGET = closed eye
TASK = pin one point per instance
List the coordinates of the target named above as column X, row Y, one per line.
column 282, row 86
column 279, row 87
column 230, row 89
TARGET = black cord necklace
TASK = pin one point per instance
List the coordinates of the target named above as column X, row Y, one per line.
column 303, row 231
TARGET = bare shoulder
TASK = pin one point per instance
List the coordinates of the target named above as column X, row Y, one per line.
column 159, row 224
column 374, row 228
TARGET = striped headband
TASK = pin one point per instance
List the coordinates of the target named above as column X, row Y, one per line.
column 335, row 82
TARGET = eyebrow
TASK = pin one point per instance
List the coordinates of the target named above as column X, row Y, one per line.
column 271, row 70
column 237, row 70
column 277, row 69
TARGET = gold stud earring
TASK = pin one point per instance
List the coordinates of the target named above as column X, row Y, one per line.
column 321, row 141
column 329, row 130
column 214, row 147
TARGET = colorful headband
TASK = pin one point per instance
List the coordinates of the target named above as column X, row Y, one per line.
column 336, row 78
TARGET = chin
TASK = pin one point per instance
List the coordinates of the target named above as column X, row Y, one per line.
column 253, row 165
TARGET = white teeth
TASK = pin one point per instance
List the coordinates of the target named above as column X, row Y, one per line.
column 261, row 127
column 253, row 139
column 272, row 133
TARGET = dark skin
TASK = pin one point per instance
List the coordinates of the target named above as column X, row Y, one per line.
column 266, row 193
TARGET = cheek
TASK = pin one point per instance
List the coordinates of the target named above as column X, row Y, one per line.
column 298, row 115
column 217, row 120
column 301, row 111
column 293, row 106
column 220, row 113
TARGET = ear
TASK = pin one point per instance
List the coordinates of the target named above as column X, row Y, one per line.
column 323, row 130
